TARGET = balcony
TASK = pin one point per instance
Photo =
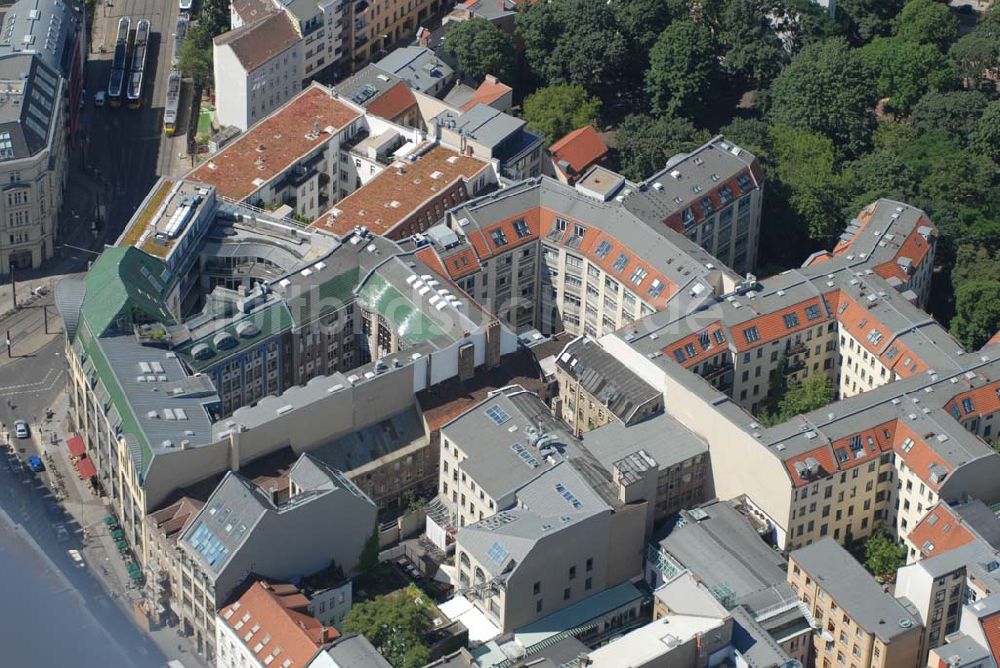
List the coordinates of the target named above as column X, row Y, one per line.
column 794, row 366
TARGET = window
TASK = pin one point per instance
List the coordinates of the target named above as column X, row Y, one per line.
column 706, row 205
column 892, row 353
column 521, row 228
column 791, row 320
column 726, row 194
column 621, row 262
column 560, row 224
column 656, row 289
column 579, row 230
column 638, row 276
column 499, row 238
column 679, row 355
column 719, row 336
column 603, row 249
column 588, row 584
column 567, row 593
column 690, row 350
column 750, row 334
column 967, row 405
column 688, row 217
column 590, row 564
column 744, row 182
column 812, row 312
column 572, row 572
column 538, row 588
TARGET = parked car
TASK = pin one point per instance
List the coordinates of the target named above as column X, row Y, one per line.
column 99, row 98
column 21, row 429
column 62, row 534
column 36, row 464
column 53, row 510
column 76, row 557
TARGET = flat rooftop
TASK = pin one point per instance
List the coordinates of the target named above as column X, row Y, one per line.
column 274, row 144
column 399, row 191
column 165, row 217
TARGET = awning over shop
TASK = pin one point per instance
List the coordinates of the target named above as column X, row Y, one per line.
column 86, row 468
column 76, row 447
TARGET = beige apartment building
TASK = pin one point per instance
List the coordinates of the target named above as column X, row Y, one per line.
column 860, row 625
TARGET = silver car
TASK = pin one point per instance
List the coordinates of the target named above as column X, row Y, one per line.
column 21, row 429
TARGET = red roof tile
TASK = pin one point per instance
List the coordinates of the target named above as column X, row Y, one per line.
column 940, row 530
column 844, row 453
column 773, row 325
column 981, row 401
column 918, row 455
column 581, row 148
column 915, row 247
column 402, row 190
column 487, row 93
column 704, row 343
column 286, row 136
column 394, row 102
column 281, row 619
column 991, row 629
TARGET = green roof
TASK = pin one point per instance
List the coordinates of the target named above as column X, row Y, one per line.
column 271, row 320
column 412, row 326
column 125, row 280
column 327, row 297
column 129, row 425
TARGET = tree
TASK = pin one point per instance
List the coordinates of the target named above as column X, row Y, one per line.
column 818, row 192
column 976, row 57
column 196, row 54
column 869, row 18
column 642, row 21
column 645, row 144
column 556, row 110
column 753, row 134
column 954, row 112
column 881, row 173
column 884, row 556
column 905, row 71
column 682, row 67
column 480, row 48
column 752, row 49
column 827, row 89
column 926, row 21
column 975, row 263
column 985, row 138
column 574, row 41
column 798, row 397
column 394, row 624
column 214, row 18
column 801, row 23
column 977, row 312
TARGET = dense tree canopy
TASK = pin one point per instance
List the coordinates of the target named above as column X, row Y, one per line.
column 557, row 110
column 574, row 41
column 977, row 312
column 480, row 48
column 977, row 56
column 799, row 397
column 826, row 89
column 904, row 71
column 683, row 65
column 954, row 112
column 644, row 143
column 868, row 19
column 395, row 624
column 985, row 136
column 884, row 556
column 926, row 21
column 752, row 50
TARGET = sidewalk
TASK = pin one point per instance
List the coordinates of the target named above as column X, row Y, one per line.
column 99, row 549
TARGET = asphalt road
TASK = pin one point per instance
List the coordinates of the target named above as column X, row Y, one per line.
column 126, row 149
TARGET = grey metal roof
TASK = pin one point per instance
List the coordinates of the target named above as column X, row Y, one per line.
column 662, row 437
column 355, row 651
column 981, row 519
column 169, row 405
column 483, row 124
column 69, row 296
column 718, row 545
column 688, row 178
column 418, row 66
column 30, row 92
column 754, row 643
column 557, row 499
column 371, row 443
column 604, row 377
column 962, row 650
column 366, row 85
column 47, row 28
column 854, row 589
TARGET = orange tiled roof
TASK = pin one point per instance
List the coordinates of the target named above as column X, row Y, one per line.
column 983, row 401
column 857, row 321
column 941, row 529
column 844, row 453
column 485, row 241
column 993, row 339
column 771, row 326
column 285, row 135
column 580, row 148
column 393, row 196
column 487, row 93
column 394, row 102
column 705, row 343
column 914, row 247
column 991, row 629
column 461, row 264
column 913, row 449
column 293, row 634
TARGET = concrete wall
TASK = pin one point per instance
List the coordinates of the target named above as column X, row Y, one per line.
column 302, row 539
column 232, row 96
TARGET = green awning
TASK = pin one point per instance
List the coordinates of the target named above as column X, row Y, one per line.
column 118, row 534
column 110, row 520
column 121, row 545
